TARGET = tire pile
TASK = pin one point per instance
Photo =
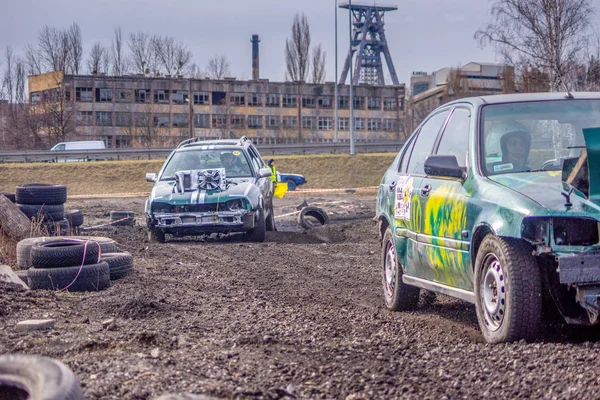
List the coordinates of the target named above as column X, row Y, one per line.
column 76, row 264
column 44, row 204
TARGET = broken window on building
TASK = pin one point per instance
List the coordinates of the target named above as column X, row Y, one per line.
column 219, row 120
column 219, row 98
column 35, row 97
column 85, row 118
column 255, row 99
column 343, row 102
column 374, row 103
column 343, row 124
column 123, row 95
column 83, row 94
column 272, row 121
column 179, row 96
column 161, row 120
column 202, row 120
column 390, row 125
column 272, row 100
column 359, row 124
column 202, row 98
column 309, row 122
column 289, row 100
column 68, row 90
column 325, row 123
column 309, row 101
column 103, row 118
column 161, row 96
column 123, row 119
column 326, row 102
column 359, row 103
column 255, row 121
column 290, row 122
column 179, row 120
column 122, row 141
column 374, row 124
column 104, row 95
column 237, row 99
column 142, row 95
column 390, row 104
column 238, row 121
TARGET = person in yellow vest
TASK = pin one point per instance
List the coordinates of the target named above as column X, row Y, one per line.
column 271, row 164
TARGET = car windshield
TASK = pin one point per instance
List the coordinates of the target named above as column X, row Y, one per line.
column 233, row 160
column 534, row 136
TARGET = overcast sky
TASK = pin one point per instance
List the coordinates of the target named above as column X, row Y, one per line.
column 423, row 35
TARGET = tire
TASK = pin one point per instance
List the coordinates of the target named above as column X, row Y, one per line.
column 258, row 233
column 120, row 264
column 22, row 274
column 314, row 212
column 291, row 184
column 107, row 245
column 36, row 377
column 48, row 213
column 508, row 290
column 58, row 227
column 270, row 223
column 10, row 196
column 39, row 193
column 64, row 253
column 398, row 295
column 156, row 236
column 75, row 217
column 93, row 277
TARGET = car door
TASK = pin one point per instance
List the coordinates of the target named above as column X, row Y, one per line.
column 407, row 211
column 443, row 234
column 264, row 184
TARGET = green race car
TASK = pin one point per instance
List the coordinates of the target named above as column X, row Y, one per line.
column 496, row 200
column 206, row 187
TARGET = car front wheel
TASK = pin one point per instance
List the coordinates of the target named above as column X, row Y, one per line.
column 258, row 233
column 508, row 290
column 398, row 295
column 156, row 235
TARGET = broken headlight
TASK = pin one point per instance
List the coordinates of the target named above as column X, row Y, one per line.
column 567, row 231
column 162, row 208
column 236, row 205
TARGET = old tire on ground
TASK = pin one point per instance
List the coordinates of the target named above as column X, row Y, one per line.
column 307, row 213
column 22, row 274
column 120, row 264
column 39, row 193
column 75, row 217
column 270, row 223
column 93, row 277
column 64, row 253
column 156, row 236
column 398, row 295
column 58, row 228
column 10, row 196
column 291, row 184
column 36, row 377
column 107, row 245
column 508, row 290
column 258, row 233
column 50, row 212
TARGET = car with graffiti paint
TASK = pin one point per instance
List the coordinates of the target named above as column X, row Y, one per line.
column 495, row 200
column 211, row 187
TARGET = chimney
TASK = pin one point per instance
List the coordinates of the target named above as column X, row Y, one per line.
column 255, row 69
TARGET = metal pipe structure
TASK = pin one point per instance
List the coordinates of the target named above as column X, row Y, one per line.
column 336, row 121
column 352, row 149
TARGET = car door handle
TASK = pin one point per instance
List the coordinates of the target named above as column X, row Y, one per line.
column 425, row 190
column 393, row 186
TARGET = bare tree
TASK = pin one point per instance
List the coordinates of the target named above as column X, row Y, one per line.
column 154, row 60
column 218, row 67
column 140, row 49
column 54, row 49
column 8, row 80
column 75, row 47
column 547, row 35
column 118, row 60
column 297, row 48
column 318, row 63
column 34, row 66
column 98, row 59
column 174, row 56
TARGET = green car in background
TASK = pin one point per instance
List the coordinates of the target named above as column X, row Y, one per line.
column 206, row 187
column 496, row 200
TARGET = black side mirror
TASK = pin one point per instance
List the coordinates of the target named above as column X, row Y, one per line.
column 446, row 166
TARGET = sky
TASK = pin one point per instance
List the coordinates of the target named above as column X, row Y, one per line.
column 423, row 35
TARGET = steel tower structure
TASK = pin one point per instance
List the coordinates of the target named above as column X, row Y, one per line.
column 368, row 40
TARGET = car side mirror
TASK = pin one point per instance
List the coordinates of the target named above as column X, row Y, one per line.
column 446, row 166
column 264, row 172
column 151, row 177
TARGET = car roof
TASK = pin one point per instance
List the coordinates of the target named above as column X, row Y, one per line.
column 523, row 97
column 196, row 143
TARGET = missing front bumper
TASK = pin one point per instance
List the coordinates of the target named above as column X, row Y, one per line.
column 205, row 222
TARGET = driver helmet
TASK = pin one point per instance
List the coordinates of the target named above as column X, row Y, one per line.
column 503, row 131
column 227, row 157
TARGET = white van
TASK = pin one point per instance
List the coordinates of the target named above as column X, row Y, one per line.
column 79, row 146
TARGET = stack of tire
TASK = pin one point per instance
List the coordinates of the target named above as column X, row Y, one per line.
column 44, row 203
column 45, row 262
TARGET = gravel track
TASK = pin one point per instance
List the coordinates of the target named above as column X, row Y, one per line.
column 298, row 316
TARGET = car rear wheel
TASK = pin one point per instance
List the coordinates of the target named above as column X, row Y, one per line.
column 508, row 290
column 398, row 295
column 291, row 184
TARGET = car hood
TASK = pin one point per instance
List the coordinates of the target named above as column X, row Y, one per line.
column 546, row 189
column 163, row 192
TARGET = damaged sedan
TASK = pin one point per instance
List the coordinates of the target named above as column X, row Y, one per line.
column 211, row 187
column 496, row 200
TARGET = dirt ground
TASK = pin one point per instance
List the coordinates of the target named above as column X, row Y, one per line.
column 299, row 316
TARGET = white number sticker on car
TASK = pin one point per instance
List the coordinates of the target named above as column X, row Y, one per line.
column 404, row 189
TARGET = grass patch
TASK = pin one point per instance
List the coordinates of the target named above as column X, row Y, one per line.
column 322, row 171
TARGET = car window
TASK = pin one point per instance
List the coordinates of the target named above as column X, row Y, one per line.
column 455, row 139
column 254, row 159
column 424, row 144
column 233, row 160
column 406, row 156
column 254, row 153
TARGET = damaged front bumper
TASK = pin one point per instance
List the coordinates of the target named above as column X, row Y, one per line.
column 582, row 272
column 205, row 222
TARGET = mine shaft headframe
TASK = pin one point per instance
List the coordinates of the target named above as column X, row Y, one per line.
column 370, row 44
